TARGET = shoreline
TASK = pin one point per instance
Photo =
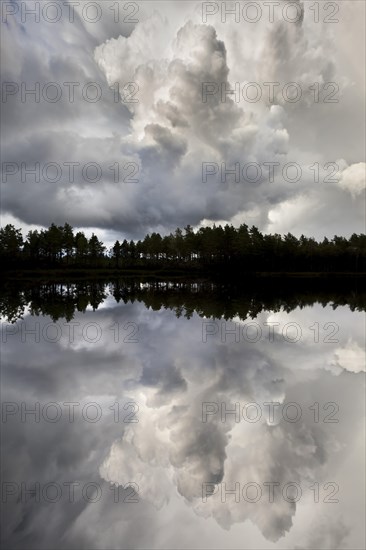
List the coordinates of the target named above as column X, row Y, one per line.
column 41, row 274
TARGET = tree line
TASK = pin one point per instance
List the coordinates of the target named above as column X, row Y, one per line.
column 209, row 249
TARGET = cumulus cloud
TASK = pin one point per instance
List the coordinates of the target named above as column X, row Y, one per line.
column 351, row 357
column 353, row 179
column 162, row 124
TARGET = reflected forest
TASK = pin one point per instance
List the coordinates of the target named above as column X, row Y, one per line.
column 206, row 299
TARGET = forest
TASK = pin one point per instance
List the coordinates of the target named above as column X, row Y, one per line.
column 210, row 249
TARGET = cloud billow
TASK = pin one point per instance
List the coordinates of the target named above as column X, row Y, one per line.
column 171, row 131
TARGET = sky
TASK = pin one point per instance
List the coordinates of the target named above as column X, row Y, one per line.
column 132, row 131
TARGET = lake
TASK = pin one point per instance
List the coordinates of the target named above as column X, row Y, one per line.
column 162, row 414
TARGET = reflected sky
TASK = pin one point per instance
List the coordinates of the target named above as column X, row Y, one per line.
column 159, row 437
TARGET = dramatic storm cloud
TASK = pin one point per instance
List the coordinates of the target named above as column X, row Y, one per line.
column 162, row 127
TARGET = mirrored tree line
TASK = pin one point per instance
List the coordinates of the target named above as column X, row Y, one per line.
column 243, row 249
column 206, row 299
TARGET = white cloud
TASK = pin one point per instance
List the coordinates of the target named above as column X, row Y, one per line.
column 353, row 179
column 351, row 357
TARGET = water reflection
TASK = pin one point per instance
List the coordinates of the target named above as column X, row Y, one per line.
column 202, row 430
column 208, row 299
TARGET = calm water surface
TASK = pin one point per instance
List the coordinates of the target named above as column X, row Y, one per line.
column 141, row 415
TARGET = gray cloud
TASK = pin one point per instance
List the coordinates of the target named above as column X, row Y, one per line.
column 170, row 131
